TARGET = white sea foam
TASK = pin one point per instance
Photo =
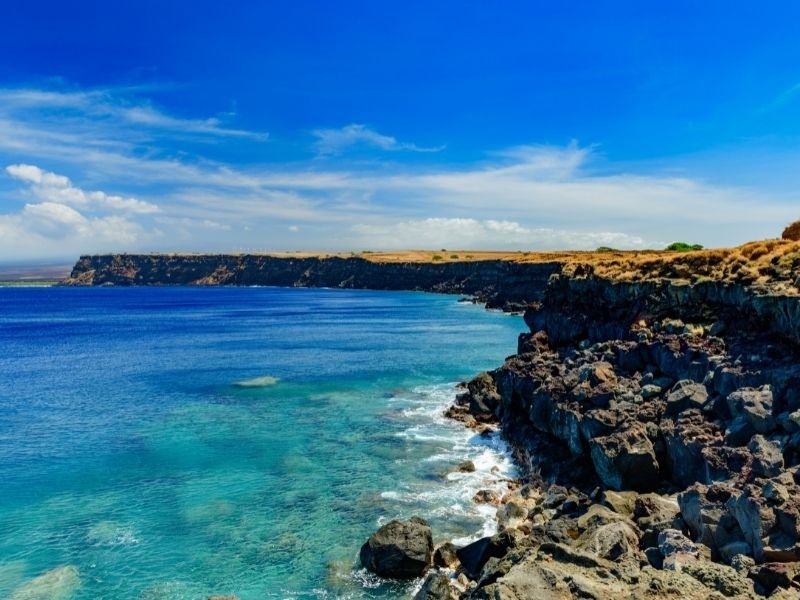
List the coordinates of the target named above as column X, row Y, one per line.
column 257, row 382
column 451, row 497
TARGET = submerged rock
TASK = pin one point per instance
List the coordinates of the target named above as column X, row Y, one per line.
column 401, row 549
column 58, row 584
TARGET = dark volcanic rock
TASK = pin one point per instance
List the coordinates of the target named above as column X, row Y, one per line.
column 436, row 587
column 401, row 549
column 626, row 460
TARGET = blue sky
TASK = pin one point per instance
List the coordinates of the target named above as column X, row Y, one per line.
column 352, row 125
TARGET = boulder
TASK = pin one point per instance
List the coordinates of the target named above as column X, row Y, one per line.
column 767, row 457
column 705, row 511
column 445, row 556
column 613, row 541
column 684, row 395
column 626, row 460
column 672, row 541
column 774, row 575
column 400, row 549
column 466, row 467
column 474, row 556
column 654, row 514
column 755, row 407
column 483, row 395
column 436, row 586
column 622, row 503
column 685, row 439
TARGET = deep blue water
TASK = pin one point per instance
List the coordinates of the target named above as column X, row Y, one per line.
column 136, row 464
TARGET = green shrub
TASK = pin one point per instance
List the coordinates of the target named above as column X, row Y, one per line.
column 683, row 247
column 436, row 257
column 606, row 249
column 454, row 256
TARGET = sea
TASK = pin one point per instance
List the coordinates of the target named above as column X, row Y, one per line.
column 178, row 443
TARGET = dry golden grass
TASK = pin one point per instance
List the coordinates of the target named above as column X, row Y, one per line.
column 769, row 263
column 772, row 264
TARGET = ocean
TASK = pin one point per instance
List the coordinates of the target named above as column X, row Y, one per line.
column 177, row 443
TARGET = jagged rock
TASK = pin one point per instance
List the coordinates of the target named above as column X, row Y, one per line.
column 686, row 439
column 754, row 406
column 684, row 395
column 474, row 556
column 401, row 549
column 612, row 541
column 654, row 514
column 622, row 503
column 672, row 541
column 436, row 587
column 483, row 395
column 512, row 514
column 705, row 512
column 775, row 575
column 650, row 390
column 767, row 457
column 486, row 497
column 466, row 467
column 626, row 460
column 445, row 556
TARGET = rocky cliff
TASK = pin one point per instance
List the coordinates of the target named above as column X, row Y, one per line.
column 493, row 281
column 658, row 420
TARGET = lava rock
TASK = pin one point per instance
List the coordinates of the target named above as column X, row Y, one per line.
column 401, row 549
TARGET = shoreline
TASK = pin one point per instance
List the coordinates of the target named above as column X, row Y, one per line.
column 662, row 446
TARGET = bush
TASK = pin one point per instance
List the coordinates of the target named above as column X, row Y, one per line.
column 436, row 257
column 683, row 247
column 606, row 249
column 454, row 256
column 792, row 232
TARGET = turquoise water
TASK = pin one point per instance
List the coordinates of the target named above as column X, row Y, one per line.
column 171, row 443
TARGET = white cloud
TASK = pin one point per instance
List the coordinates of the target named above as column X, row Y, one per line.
column 53, row 188
column 472, row 234
column 68, row 220
column 335, row 141
column 533, row 196
column 119, row 109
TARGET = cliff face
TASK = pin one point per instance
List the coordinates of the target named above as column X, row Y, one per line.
column 660, row 421
column 494, row 281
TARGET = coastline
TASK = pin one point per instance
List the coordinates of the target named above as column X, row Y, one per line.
column 653, row 400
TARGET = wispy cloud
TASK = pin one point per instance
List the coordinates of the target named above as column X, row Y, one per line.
column 785, row 97
column 473, row 233
column 113, row 109
column 170, row 195
column 336, row 141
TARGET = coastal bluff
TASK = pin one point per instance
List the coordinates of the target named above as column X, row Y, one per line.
column 494, row 281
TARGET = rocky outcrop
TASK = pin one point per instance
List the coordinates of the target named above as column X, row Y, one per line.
column 660, row 424
column 501, row 283
column 399, row 549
